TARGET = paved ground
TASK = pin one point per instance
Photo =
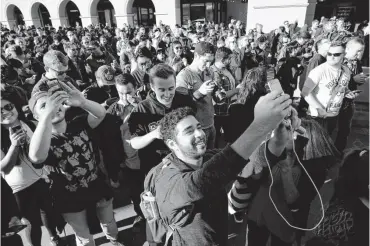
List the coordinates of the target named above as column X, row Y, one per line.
column 124, row 212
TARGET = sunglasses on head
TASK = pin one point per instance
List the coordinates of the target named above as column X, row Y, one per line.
column 8, row 107
column 334, row 54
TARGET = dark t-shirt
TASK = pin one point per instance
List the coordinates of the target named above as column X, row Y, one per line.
column 73, row 162
column 99, row 95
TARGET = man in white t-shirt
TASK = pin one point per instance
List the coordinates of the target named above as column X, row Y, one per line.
column 326, row 86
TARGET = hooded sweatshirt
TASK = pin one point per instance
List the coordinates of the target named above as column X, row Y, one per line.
column 145, row 118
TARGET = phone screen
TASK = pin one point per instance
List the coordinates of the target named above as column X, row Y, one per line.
column 16, row 128
column 274, row 85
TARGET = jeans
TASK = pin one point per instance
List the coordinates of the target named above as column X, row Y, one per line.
column 32, row 202
column 344, row 124
column 211, row 136
column 135, row 180
column 78, row 222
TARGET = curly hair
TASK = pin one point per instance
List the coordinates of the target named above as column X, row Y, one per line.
column 251, row 83
column 169, row 122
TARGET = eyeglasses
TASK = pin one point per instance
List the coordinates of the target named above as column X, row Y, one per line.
column 8, row 107
column 334, row 54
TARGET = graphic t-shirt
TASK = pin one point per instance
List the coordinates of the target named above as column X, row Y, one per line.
column 331, row 86
column 74, row 161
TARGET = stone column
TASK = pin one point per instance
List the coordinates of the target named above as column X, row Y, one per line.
column 282, row 10
column 88, row 20
column 310, row 14
column 125, row 19
column 162, row 17
column 169, row 12
column 57, row 22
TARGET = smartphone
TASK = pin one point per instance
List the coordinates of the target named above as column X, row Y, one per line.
column 357, row 91
column 274, row 85
column 14, row 230
column 16, row 128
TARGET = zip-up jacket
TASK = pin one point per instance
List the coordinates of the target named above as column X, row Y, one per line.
column 145, row 118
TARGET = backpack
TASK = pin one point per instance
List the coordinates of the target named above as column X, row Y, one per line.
column 161, row 230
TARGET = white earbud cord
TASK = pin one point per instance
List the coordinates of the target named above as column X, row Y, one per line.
column 272, row 182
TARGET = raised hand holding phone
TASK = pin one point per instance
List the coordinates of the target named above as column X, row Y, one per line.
column 274, row 85
column 17, row 136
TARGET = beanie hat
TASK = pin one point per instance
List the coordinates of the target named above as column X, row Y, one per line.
column 34, row 98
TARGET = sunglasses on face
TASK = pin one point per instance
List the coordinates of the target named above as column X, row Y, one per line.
column 334, row 54
column 9, row 107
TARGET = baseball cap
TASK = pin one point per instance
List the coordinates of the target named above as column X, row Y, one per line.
column 34, row 98
column 106, row 74
column 55, row 60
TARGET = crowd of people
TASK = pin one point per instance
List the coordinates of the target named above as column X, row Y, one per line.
column 80, row 105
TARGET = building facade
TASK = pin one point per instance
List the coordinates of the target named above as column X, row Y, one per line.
column 269, row 13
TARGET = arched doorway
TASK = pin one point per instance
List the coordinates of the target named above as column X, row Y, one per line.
column 40, row 15
column 143, row 12
column 14, row 16
column 106, row 13
column 73, row 14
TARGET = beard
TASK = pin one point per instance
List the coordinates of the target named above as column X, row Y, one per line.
column 195, row 150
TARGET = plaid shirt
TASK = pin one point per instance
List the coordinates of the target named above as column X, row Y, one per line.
column 227, row 82
column 355, row 68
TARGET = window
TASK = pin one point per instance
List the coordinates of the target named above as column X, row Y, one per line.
column 197, row 9
column 185, row 13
